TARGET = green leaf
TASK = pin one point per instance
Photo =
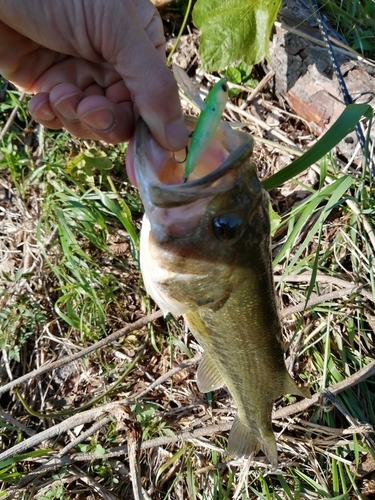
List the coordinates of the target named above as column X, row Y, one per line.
column 341, row 128
column 99, row 450
column 234, row 75
column 19, row 274
column 98, row 162
column 234, row 29
column 122, row 213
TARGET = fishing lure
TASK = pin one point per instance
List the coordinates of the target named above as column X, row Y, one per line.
column 209, row 119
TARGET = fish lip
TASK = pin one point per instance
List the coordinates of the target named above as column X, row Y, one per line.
column 162, row 195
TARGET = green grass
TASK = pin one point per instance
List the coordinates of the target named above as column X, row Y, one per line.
column 67, row 285
column 355, row 22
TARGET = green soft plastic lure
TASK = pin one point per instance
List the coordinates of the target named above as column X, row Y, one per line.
column 207, row 124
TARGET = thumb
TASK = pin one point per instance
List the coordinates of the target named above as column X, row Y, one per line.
column 159, row 105
column 140, row 61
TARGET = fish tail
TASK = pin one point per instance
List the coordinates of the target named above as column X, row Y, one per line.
column 244, row 441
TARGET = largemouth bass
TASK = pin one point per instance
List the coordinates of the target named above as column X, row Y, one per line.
column 205, row 254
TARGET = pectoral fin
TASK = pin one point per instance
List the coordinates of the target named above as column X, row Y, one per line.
column 208, row 377
column 244, row 442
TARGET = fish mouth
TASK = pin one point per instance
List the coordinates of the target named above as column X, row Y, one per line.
column 159, row 173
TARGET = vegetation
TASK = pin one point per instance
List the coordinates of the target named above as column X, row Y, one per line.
column 69, row 281
column 355, row 21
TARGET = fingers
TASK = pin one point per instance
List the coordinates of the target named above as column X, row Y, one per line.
column 120, row 51
column 155, row 94
column 89, row 116
column 110, row 122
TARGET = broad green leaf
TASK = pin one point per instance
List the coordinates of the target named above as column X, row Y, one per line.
column 98, row 162
column 234, row 75
column 234, row 29
column 341, row 128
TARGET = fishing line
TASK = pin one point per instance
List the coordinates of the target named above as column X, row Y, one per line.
column 365, row 144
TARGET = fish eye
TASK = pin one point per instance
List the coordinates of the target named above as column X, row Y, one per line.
column 227, row 227
column 224, row 87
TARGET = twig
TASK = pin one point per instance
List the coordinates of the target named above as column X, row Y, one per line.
column 51, row 464
column 209, row 430
column 294, row 347
column 352, row 421
column 94, row 485
column 320, row 278
column 16, row 423
column 134, row 442
column 82, row 437
column 288, row 311
column 6, row 363
column 349, row 382
column 68, row 359
column 260, row 123
column 339, row 46
column 257, row 89
column 170, row 374
column 11, row 118
column 66, row 425
column 87, row 416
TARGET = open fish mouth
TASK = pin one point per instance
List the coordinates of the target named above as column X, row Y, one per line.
column 159, row 173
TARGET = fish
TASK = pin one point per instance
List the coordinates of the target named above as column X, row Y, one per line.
column 207, row 123
column 205, row 254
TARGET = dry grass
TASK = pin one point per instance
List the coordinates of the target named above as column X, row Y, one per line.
column 117, row 422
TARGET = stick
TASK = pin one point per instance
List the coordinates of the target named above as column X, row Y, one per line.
column 16, row 423
column 209, row 430
column 300, row 406
column 87, row 416
column 319, row 300
column 12, row 117
column 134, row 442
column 323, row 278
column 68, row 359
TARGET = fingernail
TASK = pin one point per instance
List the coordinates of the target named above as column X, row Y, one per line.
column 100, row 119
column 177, row 134
column 65, row 108
column 42, row 112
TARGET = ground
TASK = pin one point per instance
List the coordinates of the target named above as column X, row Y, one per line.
column 107, row 406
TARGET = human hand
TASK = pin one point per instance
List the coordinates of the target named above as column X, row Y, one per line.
column 94, row 65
